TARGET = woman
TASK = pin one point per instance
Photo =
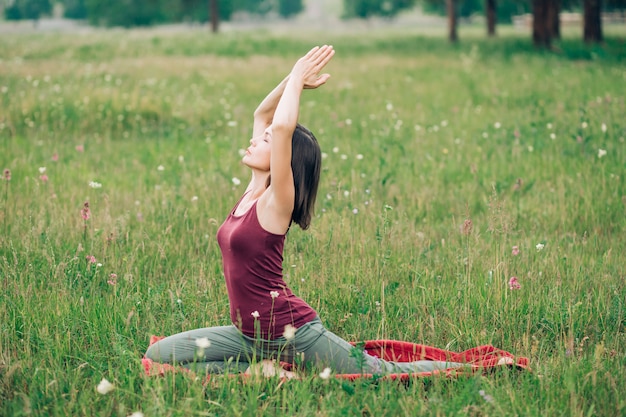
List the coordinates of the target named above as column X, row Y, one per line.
column 269, row 321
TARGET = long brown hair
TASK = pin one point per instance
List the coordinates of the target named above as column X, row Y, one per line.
column 306, row 165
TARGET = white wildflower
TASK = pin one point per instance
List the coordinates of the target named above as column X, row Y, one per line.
column 601, row 153
column 325, row 374
column 203, row 343
column 255, row 314
column 274, row 294
column 290, row 332
column 42, row 170
column 540, row 246
column 236, row 181
column 161, row 168
column 104, row 387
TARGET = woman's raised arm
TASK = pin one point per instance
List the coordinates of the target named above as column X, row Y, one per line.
column 264, row 113
column 304, row 74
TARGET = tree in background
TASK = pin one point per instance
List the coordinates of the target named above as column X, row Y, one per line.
column 545, row 22
column 451, row 11
column 592, row 26
column 28, row 9
column 74, row 9
column 554, row 13
column 290, row 8
column 368, row 8
column 125, row 13
column 214, row 11
column 490, row 14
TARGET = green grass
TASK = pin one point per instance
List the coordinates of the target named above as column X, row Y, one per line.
column 419, row 137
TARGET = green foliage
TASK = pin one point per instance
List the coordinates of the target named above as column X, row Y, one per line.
column 367, row 8
column 74, row 9
column 28, row 9
column 505, row 9
column 289, row 8
column 130, row 13
column 125, row 13
column 418, row 136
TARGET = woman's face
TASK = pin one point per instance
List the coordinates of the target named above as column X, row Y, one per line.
column 257, row 155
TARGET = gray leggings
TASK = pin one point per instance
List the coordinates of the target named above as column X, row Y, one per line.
column 313, row 345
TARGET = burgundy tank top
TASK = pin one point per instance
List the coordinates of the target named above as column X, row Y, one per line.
column 253, row 268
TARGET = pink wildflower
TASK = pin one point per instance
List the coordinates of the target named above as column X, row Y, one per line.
column 80, row 148
column 514, row 284
column 91, row 259
column 113, row 279
column 43, row 178
column 466, row 229
column 85, row 213
column 55, row 157
column 515, row 251
column 7, row 174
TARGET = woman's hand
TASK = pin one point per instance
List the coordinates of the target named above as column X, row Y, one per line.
column 308, row 68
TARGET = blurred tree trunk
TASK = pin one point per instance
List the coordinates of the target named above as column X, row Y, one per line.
column 592, row 29
column 542, row 34
column 554, row 12
column 490, row 12
column 451, row 9
column 215, row 15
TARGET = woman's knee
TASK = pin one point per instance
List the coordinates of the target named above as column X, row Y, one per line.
column 153, row 352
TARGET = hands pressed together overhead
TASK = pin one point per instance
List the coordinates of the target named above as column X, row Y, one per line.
column 308, row 68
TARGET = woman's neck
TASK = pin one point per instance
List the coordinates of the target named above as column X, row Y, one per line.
column 258, row 183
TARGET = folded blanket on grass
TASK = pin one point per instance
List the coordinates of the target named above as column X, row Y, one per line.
column 480, row 359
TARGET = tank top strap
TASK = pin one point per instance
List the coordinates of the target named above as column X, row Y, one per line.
column 234, row 209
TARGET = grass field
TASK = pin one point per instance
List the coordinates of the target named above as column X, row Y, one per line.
column 420, row 138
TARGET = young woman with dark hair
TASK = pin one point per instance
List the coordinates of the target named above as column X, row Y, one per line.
column 268, row 321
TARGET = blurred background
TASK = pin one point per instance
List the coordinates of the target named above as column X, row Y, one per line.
column 542, row 18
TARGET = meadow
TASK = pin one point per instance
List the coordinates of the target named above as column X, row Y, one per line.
column 448, row 170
